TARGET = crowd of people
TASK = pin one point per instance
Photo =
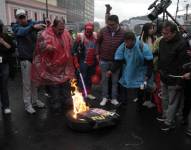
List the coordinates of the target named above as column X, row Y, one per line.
column 156, row 64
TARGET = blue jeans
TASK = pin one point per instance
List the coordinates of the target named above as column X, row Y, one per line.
column 4, row 76
column 105, row 65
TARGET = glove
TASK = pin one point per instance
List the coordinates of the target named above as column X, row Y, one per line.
column 75, row 61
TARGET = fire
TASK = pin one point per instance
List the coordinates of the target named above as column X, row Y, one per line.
column 79, row 104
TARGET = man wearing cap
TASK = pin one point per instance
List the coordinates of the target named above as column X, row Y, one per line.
column 26, row 32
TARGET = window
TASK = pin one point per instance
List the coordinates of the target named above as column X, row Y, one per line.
column 43, row 15
column 15, row 10
column 35, row 16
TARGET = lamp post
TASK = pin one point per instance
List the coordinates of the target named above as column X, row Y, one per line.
column 46, row 8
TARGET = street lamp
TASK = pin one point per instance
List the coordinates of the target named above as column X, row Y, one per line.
column 46, row 8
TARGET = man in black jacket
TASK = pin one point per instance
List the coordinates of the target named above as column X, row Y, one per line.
column 186, row 110
column 172, row 56
column 6, row 49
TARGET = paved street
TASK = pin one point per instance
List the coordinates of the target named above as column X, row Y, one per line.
column 48, row 131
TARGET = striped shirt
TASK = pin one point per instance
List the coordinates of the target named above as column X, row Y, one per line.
column 108, row 42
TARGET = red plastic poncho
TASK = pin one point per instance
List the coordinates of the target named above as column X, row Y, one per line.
column 52, row 63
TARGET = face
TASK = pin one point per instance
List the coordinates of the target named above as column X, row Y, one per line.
column 129, row 43
column 88, row 32
column 168, row 34
column 112, row 25
column 59, row 29
column 22, row 20
column 151, row 30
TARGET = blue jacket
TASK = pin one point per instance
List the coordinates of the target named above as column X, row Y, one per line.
column 134, row 70
column 26, row 39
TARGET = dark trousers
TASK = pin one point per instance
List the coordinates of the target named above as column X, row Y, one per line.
column 135, row 92
column 60, row 95
column 187, row 99
column 4, row 76
column 87, row 72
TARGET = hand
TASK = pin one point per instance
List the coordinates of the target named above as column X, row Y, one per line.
column 97, row 57
column 4, row 43
column 47, row 22
column 186, row 76
column 50, row 48
column 75, row 61
column 108, row 8
column 2, row 40
column 39, row 26
column 108, row 74
column 189, row 52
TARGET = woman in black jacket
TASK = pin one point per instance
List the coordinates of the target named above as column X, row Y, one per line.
column 6, row 49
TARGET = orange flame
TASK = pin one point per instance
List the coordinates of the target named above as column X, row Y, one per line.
column 79, row 104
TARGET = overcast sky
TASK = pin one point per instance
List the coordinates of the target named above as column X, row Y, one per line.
column 126, row 9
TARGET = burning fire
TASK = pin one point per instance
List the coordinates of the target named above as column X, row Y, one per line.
column 79, row 104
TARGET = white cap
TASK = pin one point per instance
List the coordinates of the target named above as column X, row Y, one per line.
column 20, row 12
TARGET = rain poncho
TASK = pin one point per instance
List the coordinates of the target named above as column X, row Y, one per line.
column 134, row 71
column 52, row 63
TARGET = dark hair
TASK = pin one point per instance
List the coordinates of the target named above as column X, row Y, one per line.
column 57, row 21
column 113, row 18
column 145, row 30
column 173, row 26
column 129, row 35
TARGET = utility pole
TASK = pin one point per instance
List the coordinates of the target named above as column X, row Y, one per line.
column 46, row 8
column 177, row 8
column 187, row 6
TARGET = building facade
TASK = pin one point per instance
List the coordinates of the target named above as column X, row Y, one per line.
column 89, row 10
column 78, row 10
column 36, row 9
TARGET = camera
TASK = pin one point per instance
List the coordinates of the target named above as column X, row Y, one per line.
column 158, row 8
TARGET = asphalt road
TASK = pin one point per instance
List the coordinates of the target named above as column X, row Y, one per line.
column 48, row 131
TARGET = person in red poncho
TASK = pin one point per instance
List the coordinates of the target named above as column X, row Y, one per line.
column 84, row 51
column 53, row 63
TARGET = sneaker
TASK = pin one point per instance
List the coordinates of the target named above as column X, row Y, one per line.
column 7, row 111
column 151, row 105
column 188, row 132
column 135, row 99
column 114, row 102
column 90, row 96
column 30, row 110
column 166, row 127
column 47, row 95
column 103, row 102
column 145, row 103
column 160, row 118
column 148, row 104
column 39, row 104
